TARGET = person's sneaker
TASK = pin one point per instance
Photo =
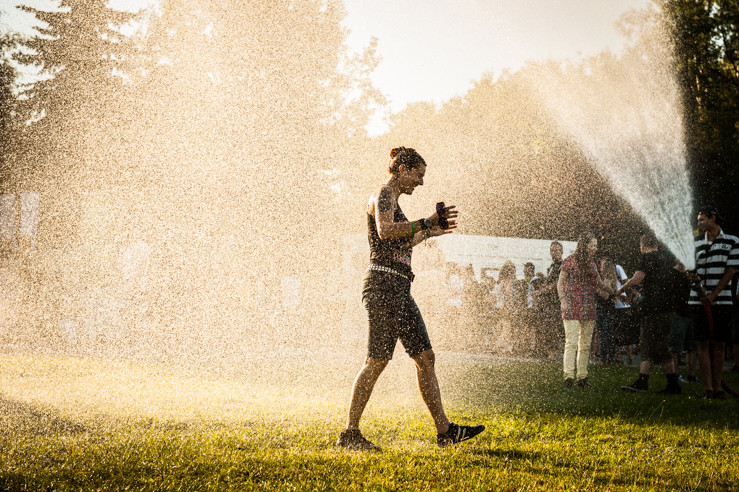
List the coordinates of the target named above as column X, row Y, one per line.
column 458, row 433
column 718, row 395
column 583, row 383
column 708, row 395
column 353, row 439
column 681, row 379
column 569, row 383
column 638, row 386
column 671, row 390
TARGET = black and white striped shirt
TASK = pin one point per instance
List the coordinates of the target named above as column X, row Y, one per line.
column 711, row 261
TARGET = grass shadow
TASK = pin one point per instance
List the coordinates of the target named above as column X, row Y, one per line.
column 537, row 387
column 35, row 420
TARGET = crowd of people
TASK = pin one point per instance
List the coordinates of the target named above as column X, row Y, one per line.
column 662, row 309
column 585, row 309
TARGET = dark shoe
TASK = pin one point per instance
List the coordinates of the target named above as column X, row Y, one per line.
column 718, row 395
column 708, row 395
column 458, row 433
column 583, row 384
column 638, row 386
column 353, row 439
column 671, row 390
column 569, row 383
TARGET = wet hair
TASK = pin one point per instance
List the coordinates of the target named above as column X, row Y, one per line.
column 608, row 271
column 404, row 155
column 581, row 254
column 649, row 240
column 711, row 211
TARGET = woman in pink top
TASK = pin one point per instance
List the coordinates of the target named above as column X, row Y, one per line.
column 578, row 285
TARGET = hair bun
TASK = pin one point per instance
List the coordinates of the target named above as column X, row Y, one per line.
column 396, row 151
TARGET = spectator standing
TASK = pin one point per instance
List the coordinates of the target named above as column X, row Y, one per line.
column 507, row 295
column 550, row 335
column 682, row 338
column 657, row 314
column 578, row 286
column 605, row 320
column 627, row 328
column 716, row 262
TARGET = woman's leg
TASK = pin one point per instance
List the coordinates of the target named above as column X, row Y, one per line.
column 583, row 348
column 364, row 383
column 428, row 385
column 572, row 328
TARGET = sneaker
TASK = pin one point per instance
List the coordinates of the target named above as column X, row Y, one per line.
column 638, row 386
column 671, row 390
column 458, row 433
column 718, row 395
column 569, row 383
column 583, row 383
column 353, row 439
column 681, row 379
column 708, row 395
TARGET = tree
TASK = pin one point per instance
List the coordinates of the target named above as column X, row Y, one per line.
column 706, row 35
column 8, row 103
column 85, row 61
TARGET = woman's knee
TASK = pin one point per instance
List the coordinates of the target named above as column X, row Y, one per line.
column 425, row 359
column 374, row 366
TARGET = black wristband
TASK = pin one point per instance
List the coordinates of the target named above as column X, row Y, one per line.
column 425, row 224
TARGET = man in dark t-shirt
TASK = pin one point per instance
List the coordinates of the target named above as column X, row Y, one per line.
column 656, row 275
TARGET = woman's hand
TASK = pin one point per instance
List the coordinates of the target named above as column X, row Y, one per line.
column 438, row 231
column 449, row 213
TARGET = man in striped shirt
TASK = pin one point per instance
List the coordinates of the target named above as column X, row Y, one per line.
column 716, row 262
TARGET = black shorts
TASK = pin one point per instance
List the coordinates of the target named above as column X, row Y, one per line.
column 653, row 337
column 627, row 327
column 393, row 315
column 721, row 323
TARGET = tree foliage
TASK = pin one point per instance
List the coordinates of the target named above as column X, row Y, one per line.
column 8, row 104
column 706, row 35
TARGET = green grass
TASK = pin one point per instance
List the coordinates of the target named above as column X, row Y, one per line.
column 90, row 424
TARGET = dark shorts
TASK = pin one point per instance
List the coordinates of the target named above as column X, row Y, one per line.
column 655, row 331
column 393, row 315
column 681, row 335
column 627, row 327
column 721, row 323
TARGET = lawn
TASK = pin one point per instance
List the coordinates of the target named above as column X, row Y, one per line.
column 269, row 421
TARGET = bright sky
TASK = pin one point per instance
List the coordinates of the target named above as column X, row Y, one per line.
column 433, row 51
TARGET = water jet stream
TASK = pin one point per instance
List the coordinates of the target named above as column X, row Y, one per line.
column 626, row 117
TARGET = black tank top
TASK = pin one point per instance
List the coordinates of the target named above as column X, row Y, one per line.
column 392, row 253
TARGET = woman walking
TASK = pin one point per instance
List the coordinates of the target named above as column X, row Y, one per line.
column 392, row 312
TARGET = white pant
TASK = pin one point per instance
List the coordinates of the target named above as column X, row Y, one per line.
column 578, row 336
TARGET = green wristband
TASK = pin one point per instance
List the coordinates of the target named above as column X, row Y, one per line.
column 413, row 229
